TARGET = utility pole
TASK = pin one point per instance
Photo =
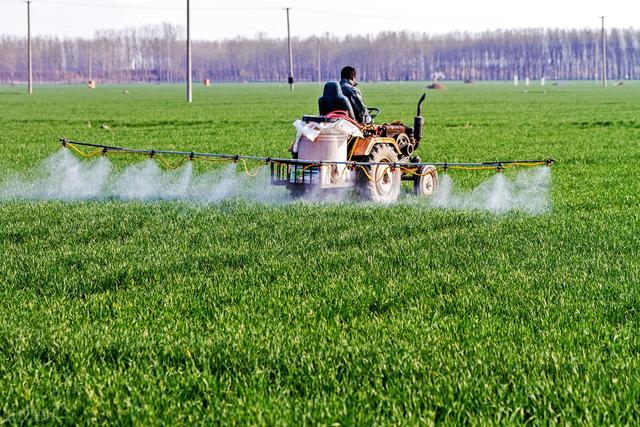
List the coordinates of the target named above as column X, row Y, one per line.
column 596, row 63
column 318, row 61
column 604, row 55
column 544, row 56
column 289, row 46
column 30, row 71
column 90, row 65
column 189, row 82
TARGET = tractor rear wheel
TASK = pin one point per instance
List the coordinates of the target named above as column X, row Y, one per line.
column 425, row 182
column 379, row 183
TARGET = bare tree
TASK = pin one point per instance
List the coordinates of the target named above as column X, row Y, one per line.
column 154, row 54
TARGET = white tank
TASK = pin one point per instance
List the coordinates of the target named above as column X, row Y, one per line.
column 331, row 144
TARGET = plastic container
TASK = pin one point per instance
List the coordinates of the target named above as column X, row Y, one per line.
column 330, row 145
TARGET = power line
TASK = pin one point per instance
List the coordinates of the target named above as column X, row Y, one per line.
column 405, row 19
column 359, row 14
column 306, row 10
column 139, row 7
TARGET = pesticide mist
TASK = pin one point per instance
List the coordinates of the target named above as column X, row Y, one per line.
column 65, row 177
column 528, row 192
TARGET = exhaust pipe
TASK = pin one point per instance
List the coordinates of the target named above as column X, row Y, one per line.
column 418, row 121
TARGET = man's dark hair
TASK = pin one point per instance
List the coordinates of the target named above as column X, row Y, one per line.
column 348, row 73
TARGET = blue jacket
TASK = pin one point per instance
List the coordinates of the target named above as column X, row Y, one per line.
column 354, row 96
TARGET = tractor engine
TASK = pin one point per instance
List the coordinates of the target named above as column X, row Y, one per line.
column 407, row 138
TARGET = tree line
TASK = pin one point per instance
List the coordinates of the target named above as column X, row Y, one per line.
column 157, row 54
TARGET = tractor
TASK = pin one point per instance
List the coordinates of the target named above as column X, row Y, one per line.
column 333, row 152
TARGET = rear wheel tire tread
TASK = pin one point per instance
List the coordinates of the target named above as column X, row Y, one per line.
column 385, row 186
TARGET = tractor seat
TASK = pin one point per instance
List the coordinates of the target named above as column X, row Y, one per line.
column 332, row 99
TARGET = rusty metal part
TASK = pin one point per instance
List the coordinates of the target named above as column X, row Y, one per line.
column 363, row 146
column 391, row 130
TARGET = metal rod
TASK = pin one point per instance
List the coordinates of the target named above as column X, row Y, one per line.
column 604, row 54
column 596, row 64
column 191, row 154
column 290, row 53
column 189, row 73
column 29, row 64
column 318, row 61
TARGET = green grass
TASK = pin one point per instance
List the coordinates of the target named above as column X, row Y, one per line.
column 307, row 313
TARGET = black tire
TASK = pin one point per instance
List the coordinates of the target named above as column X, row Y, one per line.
column 384, row 185
column 425, row 182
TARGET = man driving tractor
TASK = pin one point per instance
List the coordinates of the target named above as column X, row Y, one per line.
column 348, row 85
column 334, row 152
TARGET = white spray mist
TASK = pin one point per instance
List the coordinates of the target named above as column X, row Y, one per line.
column 528, row 192
column 60, row 177
column 65, row 177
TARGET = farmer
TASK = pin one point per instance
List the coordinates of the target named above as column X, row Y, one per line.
column 348, row 85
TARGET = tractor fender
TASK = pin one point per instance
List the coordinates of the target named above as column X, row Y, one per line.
column 363, row 146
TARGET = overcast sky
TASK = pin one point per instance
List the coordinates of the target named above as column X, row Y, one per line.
column 228, row 19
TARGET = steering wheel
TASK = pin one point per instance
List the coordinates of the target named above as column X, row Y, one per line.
column 374, row 112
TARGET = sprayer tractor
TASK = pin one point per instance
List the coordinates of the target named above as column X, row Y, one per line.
column 332, row 152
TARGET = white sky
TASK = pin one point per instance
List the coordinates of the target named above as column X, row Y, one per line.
column 224, row 19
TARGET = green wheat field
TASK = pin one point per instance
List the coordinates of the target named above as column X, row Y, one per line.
column 250, row 312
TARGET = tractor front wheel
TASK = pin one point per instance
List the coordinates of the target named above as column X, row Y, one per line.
column 379, row 183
